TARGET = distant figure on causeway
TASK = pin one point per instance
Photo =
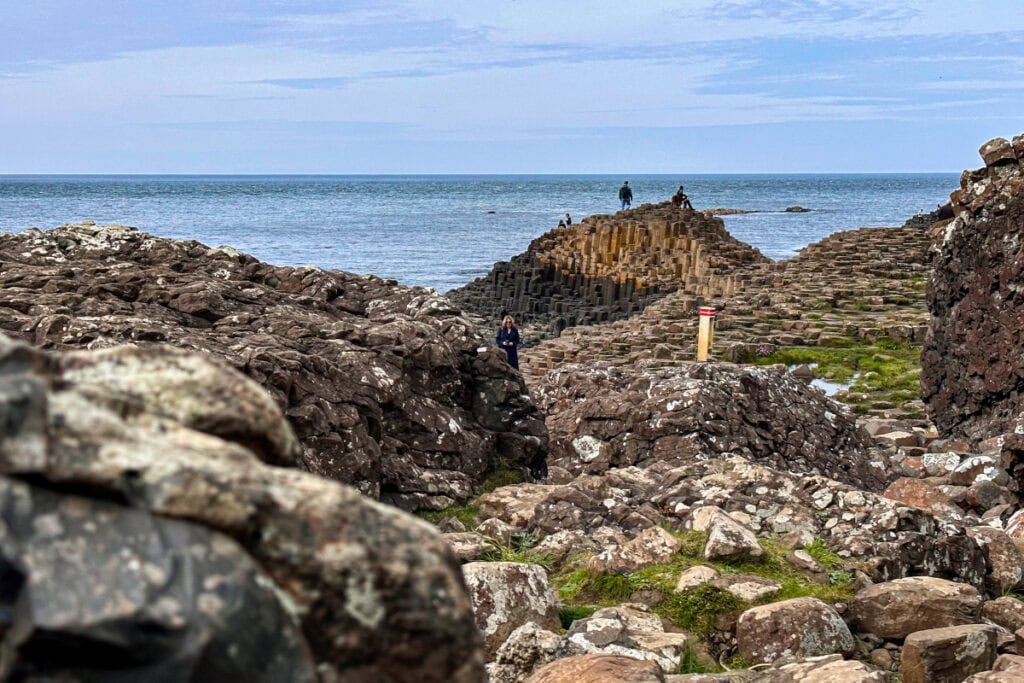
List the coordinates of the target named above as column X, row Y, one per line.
column 508, row 339
column 626, row 195
column 568, row 221
column 680, row 200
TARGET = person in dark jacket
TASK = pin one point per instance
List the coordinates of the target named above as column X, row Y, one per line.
column 508, row 339
column 626, row 195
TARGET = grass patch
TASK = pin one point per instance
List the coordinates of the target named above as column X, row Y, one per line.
column 692, row 663
column 887, row 370
column 821, row 553
column 519, row 549
column 467, row 514
column 692, row 542
column 567, row 615
column 698, row 610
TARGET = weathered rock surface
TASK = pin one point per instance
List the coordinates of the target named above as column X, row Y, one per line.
column 96, row 590
column 948, row 655
column 651, row 546
column 528, row 647
column 377, row 594
column 832, row 669
column 383, row 384
column 896, row 609
column 1004, row 611
column 971, row 389
column 1007, row 669
column 507, row 595
column 602, row 417
column 632, row 631
column 727, row 538
column 801, row 627
column 599, row 669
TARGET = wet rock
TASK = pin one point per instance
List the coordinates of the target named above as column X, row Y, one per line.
column 506, row 595
column 896, row 609
column 652, row 546
column 727, row 539
column 599, row 668
column 98, row 590
column 801, row 627
column 382, row 384
column 948, row 655
column 377, row 593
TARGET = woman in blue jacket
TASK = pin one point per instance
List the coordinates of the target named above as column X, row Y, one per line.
column 508, row 339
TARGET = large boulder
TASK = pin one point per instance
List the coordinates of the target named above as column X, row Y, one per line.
column 948, row 655
column 973, row 359
column 388, row 388
column 376, row 594
column 632, row 631
column 651, row 546
column 507, row 595
column 728, row 540
column 102, row 591
column 801, row 627
column 1007, row 669
column 603, row 417
column 896, row 609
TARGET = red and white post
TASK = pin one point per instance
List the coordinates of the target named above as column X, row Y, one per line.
column 707, row 316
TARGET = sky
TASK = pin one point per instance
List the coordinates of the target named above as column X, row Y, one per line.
column 506, row 86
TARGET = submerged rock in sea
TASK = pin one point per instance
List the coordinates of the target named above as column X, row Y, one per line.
column 387, row 387
column 973, row 360
column 150, row 538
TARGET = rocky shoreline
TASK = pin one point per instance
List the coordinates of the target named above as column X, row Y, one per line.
column 194, row 445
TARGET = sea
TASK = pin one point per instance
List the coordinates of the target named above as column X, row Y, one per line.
column 443, row 231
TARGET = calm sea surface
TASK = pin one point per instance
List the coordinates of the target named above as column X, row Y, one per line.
column 442, row 231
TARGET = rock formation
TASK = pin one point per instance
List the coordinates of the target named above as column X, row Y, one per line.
column 973, row 362
column 145, row 536
column 387, row 387
column 609, row 268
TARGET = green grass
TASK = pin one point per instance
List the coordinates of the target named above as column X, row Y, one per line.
column 888, row 370
column 698, row 609
column 467, row 514
column 519, row 549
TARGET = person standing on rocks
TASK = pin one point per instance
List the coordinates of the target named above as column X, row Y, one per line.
column 508, row 339
column 626, row 195
column 568, row 221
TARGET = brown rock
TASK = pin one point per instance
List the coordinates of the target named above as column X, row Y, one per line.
column 948, row 655
column 652, row 546
column 1004, row 558
column 830, row 669
column 1005, row 611
column 599, row 669
column 923, row 494
column 1007, row 669
column 727, row 538
column 895, row 609
column 801, row 627
column 997, row 150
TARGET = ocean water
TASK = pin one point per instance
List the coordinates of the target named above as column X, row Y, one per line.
column 443, row 231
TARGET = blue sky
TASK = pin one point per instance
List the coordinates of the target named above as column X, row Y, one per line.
column 506, row 86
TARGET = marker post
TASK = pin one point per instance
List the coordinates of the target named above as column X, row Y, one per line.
column 707, row 315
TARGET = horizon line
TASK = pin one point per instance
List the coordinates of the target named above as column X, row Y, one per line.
column 464, row 174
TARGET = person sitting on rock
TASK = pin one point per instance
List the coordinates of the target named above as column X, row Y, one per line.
column 680, row 200
column 561, row 223
column 508, row 339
